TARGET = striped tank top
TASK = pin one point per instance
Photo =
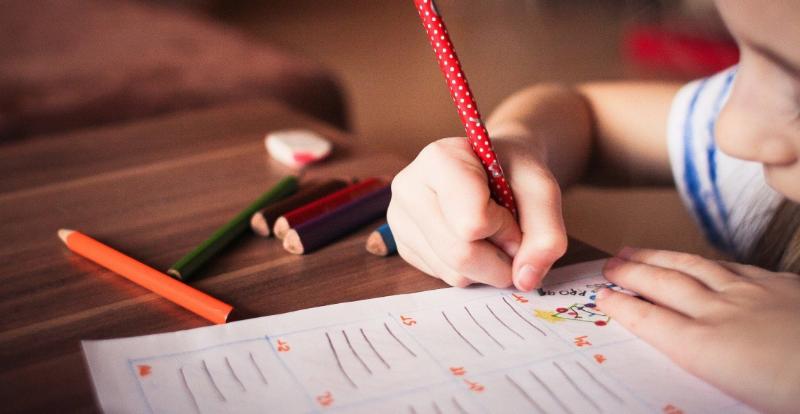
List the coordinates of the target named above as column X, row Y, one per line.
column 728, row 197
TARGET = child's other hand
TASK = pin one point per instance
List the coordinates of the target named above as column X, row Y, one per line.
column 446, row 224
column 733, row 325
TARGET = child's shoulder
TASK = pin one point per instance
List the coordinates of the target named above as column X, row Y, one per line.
column 702, row 99
column 728, row 197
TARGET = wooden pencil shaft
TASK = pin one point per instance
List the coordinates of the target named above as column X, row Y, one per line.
column 194, row 260
column 149, row 278
column 330, row 202
column 305, row 195
column 330, row 226
column 388, row 239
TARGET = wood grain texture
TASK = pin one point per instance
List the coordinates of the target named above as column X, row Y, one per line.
column 153, row 190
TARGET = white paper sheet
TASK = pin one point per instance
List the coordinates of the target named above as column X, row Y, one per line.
column 477, row 350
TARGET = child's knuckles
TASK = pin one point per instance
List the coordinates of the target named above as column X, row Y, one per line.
column 680, row 259
column 435, row 152
column 659, row 277
column 539, row 185
column 471, row 227
column 462, row 256
column 685, row 260
column 549, row 188
column 547, row 245
column 621, row 308
column 402, row 183
column 639, row 316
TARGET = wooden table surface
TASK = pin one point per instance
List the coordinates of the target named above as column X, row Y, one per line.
column 154, row 189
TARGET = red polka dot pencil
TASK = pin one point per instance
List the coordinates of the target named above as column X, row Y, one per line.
column 323, row 205
column 465, row 102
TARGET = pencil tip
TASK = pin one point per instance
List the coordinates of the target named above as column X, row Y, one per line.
column 64, row 233
column 281, row 227
column 174, row 273
column 375, row 244
column 292, row 243
column 258, row 223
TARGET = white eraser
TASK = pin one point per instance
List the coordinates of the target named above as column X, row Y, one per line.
column 297, row 147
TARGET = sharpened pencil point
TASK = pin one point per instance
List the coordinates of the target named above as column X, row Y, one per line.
column 281, row 227
column 375, row 244
column 259, row 224
column 174, row 273
column 292, row 243
column 64, row 233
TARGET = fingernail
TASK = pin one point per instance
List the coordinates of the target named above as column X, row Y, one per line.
column 524, row 277
column 626, row 252
column 602, row 294
column 612, row 264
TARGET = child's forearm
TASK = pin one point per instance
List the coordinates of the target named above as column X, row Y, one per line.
column 616, row 130
column 551, row 120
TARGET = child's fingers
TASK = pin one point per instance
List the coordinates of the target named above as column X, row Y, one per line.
column 544, row 238
column 753, row 272
column 666, row 287
column 406, row 252
column 707, row 271
column 406, row 237
column 461, row 189
column 411, row 194
column 480, row 261
column 664, row 329
column 414, row 249
column 413, row 258
column 507, row 236
column 433, row 267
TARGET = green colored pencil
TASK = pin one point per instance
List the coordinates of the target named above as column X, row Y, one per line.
column 184, row 268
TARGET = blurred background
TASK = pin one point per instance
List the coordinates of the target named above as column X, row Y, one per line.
column 369, row 57
column 395, row 90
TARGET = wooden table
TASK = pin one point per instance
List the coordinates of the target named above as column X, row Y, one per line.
column 154, row 189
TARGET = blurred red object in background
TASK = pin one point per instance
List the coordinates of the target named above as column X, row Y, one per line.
column 656, row 47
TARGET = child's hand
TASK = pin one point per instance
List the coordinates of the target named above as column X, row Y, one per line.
column 733, row 325
column 446, row 224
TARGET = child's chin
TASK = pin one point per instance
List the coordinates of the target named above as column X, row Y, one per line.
column 785, row 180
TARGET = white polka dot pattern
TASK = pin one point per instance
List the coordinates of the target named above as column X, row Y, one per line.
column 465, row 102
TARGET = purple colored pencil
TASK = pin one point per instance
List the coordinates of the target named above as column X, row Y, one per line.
column 331, row 226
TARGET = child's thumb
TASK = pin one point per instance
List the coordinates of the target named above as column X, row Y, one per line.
column 544, row 238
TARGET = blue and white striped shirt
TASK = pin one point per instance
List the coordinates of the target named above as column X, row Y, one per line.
column 728, row 197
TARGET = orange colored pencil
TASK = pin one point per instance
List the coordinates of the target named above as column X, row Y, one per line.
column 147, row 277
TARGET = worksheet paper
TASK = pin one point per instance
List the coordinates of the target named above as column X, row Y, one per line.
column 474, row 350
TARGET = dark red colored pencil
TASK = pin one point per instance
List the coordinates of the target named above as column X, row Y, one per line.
column 330, row 226
column 323, row 205
column 263, row 219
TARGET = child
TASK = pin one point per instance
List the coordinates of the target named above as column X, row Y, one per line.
column 732, row 147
